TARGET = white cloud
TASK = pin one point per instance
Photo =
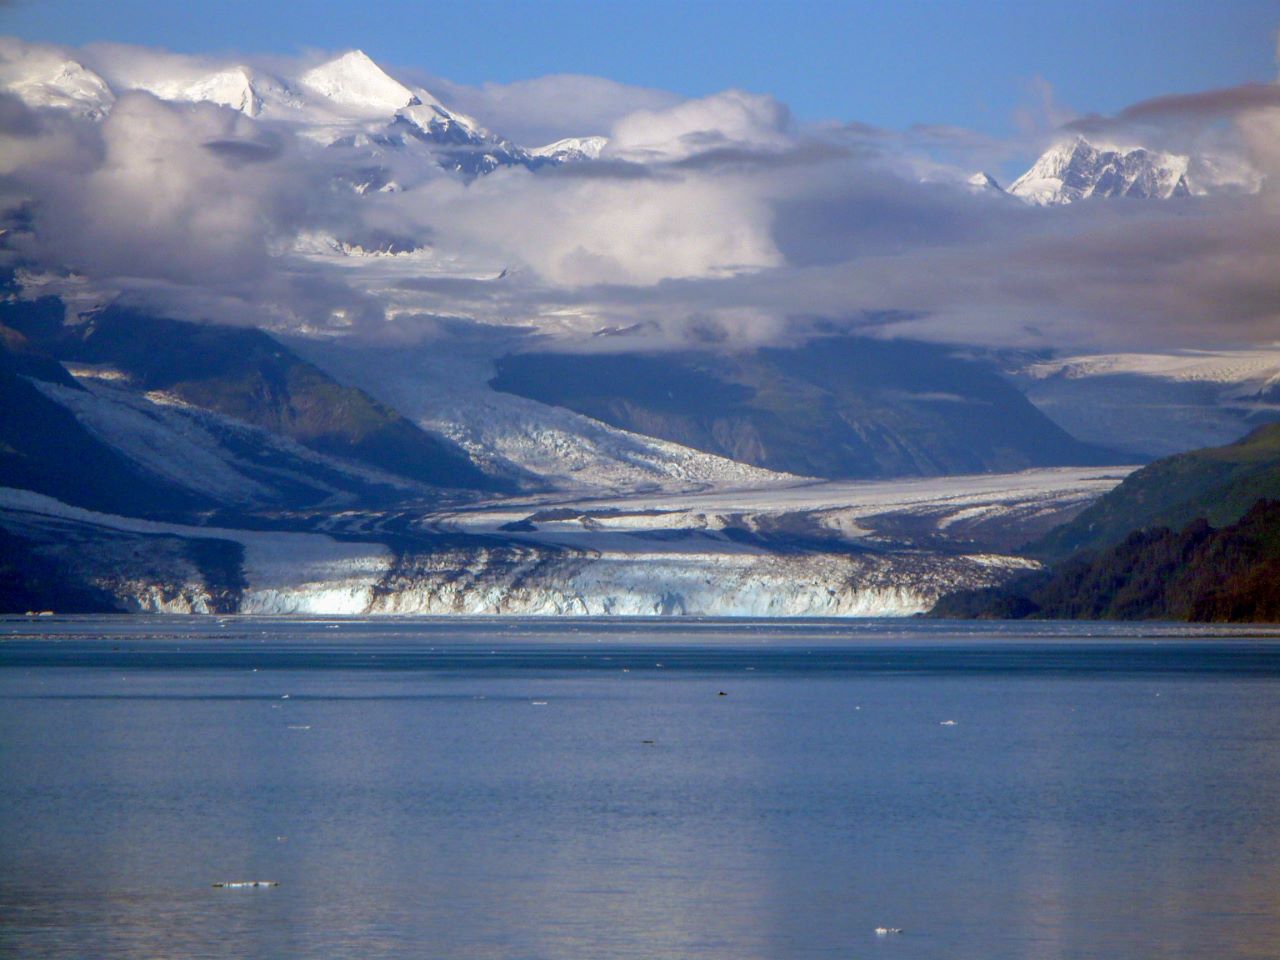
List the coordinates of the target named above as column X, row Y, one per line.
column 545, row 109
column 729, row 119
column 716, row 219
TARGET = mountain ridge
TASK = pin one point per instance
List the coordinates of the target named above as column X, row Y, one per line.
column 247, row 375
column 834, row 407
column 1077, row 170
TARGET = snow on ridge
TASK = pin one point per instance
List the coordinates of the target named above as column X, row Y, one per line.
column 42, row 77
column 983, row 182
column 235, row 87
column 572, row 149
column 1206, row 366
column 353, row 80
column 429, row 114
column 169, row 447
column 1074, row 170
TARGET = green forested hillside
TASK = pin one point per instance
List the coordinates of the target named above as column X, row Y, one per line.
column 1217, row 483
column 1199, row 573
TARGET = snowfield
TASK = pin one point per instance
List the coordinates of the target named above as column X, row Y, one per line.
column 1157, row 404
column 1188, row 366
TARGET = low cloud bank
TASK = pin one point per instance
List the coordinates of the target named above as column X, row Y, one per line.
column 714, row 221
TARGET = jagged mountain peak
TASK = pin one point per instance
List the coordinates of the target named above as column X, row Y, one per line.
column 1076, row 169
column 44, row 77
column 983, row 181
column 348, row 102
column 233, row 87
column 237, row 86
column 354, row 81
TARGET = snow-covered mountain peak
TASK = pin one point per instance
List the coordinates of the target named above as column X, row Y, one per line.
column 1075, row 170
column 41, row 77
column 232, row 87
column 442, row 124
column 982, row 182
column 236, row 87
column 572, row 149
column 355, row 82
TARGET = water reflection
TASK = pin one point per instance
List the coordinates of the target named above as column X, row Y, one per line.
column 441, row 813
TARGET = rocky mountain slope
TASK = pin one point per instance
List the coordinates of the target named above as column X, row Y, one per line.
column 834, row 407
column 1076, row 170
column 176, row 415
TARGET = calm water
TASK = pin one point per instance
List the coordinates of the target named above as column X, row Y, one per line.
column 582, row 790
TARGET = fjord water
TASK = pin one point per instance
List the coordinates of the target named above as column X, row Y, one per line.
column 583, row 790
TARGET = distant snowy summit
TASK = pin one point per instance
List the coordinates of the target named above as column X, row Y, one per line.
column 1076, row 170
column 348, row 102
column 389, row 135
column 984, row 183
column 41, row 78
column 354, row 81
column 572, row 149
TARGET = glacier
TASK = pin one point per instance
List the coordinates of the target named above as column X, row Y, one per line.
column 706, row 554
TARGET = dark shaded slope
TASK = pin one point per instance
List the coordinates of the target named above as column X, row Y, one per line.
column 836, row 407
column 76, row 567
column 1217, row 483
column 1199, row 573
column 29, row 581
column 19, row 355
column 246, row 374
column 44, row 448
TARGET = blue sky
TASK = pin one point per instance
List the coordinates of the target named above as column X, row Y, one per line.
column 973, row 64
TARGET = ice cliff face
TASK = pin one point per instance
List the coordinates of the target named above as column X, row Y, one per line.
column 1076, row 170
column 532, row 582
